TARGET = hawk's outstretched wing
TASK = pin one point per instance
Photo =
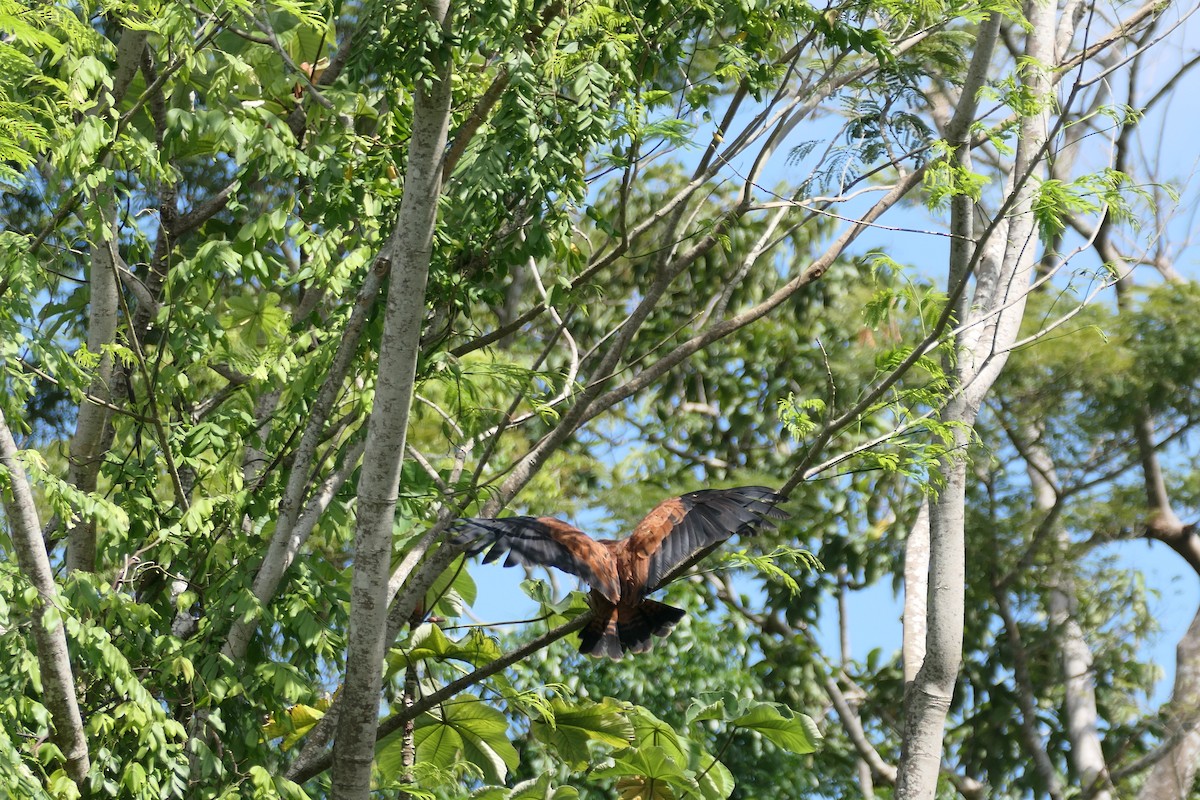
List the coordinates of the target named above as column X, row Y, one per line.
column 542, row 542
column 682, row 530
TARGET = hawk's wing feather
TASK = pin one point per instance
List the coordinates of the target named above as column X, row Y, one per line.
column 682, row 530
column 541, row 542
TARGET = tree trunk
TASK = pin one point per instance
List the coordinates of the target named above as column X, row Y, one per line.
column 54, row 663
column 927, row 697
column 1002, row 276
column 916, row 590
column 928, row 691
column 1172, row 777
column 409, row 250
column 88, row 444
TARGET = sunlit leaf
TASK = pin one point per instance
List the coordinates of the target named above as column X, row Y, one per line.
column 573, row 725
column 796, row 733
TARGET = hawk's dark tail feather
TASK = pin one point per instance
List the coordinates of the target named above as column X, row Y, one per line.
column 600, row 638
column 637, row 626
column 616, row 631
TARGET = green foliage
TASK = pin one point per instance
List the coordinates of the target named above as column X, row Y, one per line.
column 33, row 102
column 665, row 764
column 570, row 728
column 1110, row 190
column 470, row 731
column 534, row 789
column 945, row 179
column 767, row 564
column 799, row 417
column 248, row 191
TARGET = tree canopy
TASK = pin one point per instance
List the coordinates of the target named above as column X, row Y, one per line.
column 287, row 288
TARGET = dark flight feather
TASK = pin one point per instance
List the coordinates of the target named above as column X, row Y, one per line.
column 710, row 517
column 541, row 542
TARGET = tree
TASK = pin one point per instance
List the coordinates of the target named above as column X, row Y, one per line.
column 238, row 455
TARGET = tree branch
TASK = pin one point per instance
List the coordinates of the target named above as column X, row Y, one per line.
column 289, row 537
column 305, row 769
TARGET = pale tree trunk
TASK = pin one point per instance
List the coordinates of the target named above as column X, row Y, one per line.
column 89, row 444
column 990, row 327
column 927, row 697
column 408, row 249
column 54, row 663
column 916, row 589
column 1079, row 683
column 92, row 428
column 1173, row 775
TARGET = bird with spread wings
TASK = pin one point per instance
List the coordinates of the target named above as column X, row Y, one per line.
column 675, row 535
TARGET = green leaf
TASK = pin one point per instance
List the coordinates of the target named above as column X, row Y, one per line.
column 647, row 773
column 465, row 729
column 299, row 720
column 766, row 565
column 573, row 725
column 795, row 733
column 49, row 753
column 541, row 788
column 133, row 778
column 453, row 589
column 429, row 642
column 716, row 705
column 715, row 780
column 652, row 731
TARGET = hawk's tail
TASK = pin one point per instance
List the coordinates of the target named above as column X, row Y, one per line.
column 649, row 618
column 616, row 631
column 600, row 638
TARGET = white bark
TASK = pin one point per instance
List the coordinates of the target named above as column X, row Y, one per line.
column 54, row 663
column 1075, row 656
column 916, row 589
column 129, row 55
column 1172, row 777
column 408, row 249
column 88, row 444
column 991, row 325
column 927, row 697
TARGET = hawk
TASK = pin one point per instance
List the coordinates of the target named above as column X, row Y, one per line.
column 676, row 534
